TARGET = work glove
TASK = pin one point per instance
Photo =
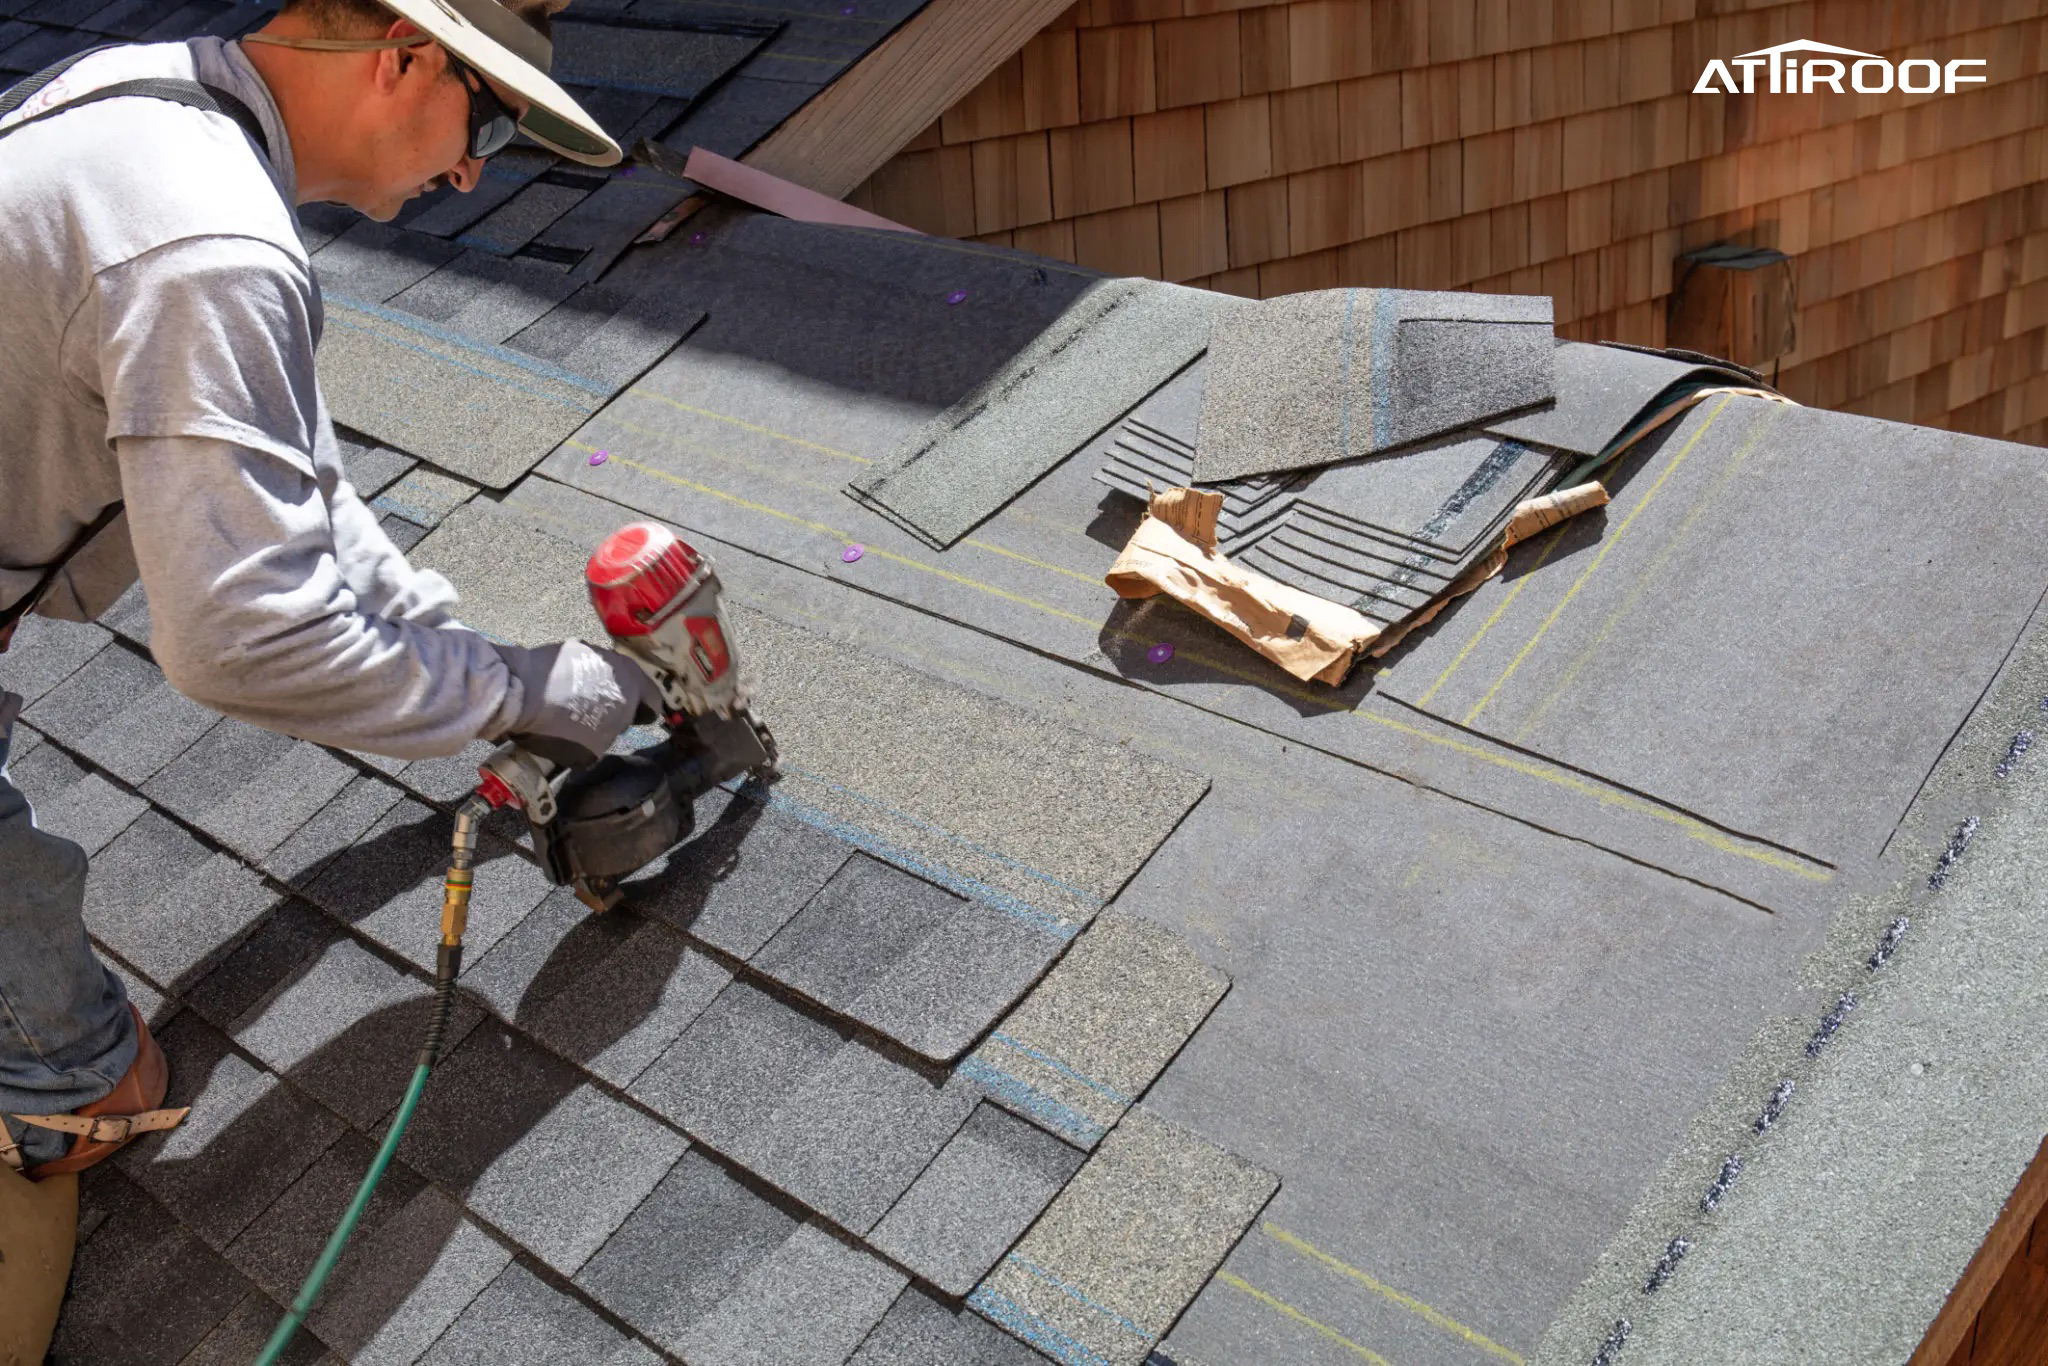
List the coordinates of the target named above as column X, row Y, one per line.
column 578, row 699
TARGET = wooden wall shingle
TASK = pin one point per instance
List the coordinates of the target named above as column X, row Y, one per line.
column 1550, row 146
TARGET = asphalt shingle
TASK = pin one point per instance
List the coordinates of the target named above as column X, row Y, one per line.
column 686, row 1248
column 741, row 877
column 249, row 788
column 920, row 1331
column 486, row 1096
column 1090, row 1038
column 281, row 1245
column 652, row 988
column 71, row 803
column 566, row 1184
column 809, row 1303
column 976, row 1199
column 1123, row 1249
column 45, row 652
column 851, row 1137
column 155, row 726
column 733, row 1066
column 334, row 828
column 401, row 1286
column 347, row 1026
column 137, row 1253
column 521, row 1320
column 852, row 932
column 944, row 992
column 104, row 686
column 188, row 925
column 248, row 1138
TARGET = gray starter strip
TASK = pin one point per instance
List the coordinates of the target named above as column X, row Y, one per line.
column 481, row 411
column 975, row 795
column 1091, row 1037
column 1116, row 343
column 1126, row 1246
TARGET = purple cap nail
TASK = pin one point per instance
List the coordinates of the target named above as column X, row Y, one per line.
column 848, row 9
column 599, row 457
column 625, row 170
column 852, row 553
column 958, row 296
column 698, row 239
column 1160, row 653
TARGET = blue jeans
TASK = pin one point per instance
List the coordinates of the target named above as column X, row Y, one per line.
column 66, row 1037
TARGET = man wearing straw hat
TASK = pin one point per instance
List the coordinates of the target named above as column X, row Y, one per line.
column 160, row 419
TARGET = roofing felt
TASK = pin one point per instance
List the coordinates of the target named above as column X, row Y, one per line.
column 1474, row 993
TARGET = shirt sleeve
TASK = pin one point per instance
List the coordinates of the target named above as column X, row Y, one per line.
column 212, row 408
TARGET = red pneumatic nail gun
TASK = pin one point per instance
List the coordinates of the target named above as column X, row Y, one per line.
column 660, row 600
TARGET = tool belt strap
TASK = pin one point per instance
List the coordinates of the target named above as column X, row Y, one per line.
column 109, row 1128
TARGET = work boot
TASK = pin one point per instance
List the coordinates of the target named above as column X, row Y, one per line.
column 112, row 1122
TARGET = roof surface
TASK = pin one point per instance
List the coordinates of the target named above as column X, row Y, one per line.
column 995, row 1022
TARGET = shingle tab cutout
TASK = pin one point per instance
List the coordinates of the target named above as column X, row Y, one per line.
column 662, row 61
column 1126, row 1246
column 1115, row 344
column 976, row 1199
column 1090, row 1038
column 1311, row 379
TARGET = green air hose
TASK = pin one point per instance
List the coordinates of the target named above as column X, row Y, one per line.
column 447, row 966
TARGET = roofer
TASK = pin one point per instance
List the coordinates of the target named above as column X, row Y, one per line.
column 157, row 327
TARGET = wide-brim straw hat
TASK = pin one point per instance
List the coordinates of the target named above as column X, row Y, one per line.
column 510, row 51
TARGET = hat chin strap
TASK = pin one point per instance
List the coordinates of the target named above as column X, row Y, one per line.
column 341, row 44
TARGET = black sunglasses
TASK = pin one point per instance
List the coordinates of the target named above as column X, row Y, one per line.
column 491, row 125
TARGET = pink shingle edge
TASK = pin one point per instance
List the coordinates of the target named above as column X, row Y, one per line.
column 777, row 195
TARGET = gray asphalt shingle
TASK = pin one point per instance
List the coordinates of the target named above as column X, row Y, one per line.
column 851, row 1136
column 687, row 1246
column 1125, row 1247
column 521, row 1320
column 808, row 1303
column 47, row 651
column 563, row 1186
column 1090, row 1038
column 346, row 1026
column 733, row 1066
column 402, row 1284
column 248, row 1138
column 975, row 1199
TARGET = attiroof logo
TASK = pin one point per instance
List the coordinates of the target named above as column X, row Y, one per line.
column 1869, row 74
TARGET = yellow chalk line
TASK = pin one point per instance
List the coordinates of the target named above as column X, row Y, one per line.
column 1689, row 825
column 1288, row 1310
column 1414, row 1306
column 1606, row 549
column 1671, row 546
column 1555, row 538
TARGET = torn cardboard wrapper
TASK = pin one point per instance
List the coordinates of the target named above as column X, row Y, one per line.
column 1173, row 551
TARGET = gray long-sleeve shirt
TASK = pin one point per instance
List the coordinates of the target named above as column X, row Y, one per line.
column 158, row 318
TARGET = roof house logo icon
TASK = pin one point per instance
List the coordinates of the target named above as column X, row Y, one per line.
column 1868, row 74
